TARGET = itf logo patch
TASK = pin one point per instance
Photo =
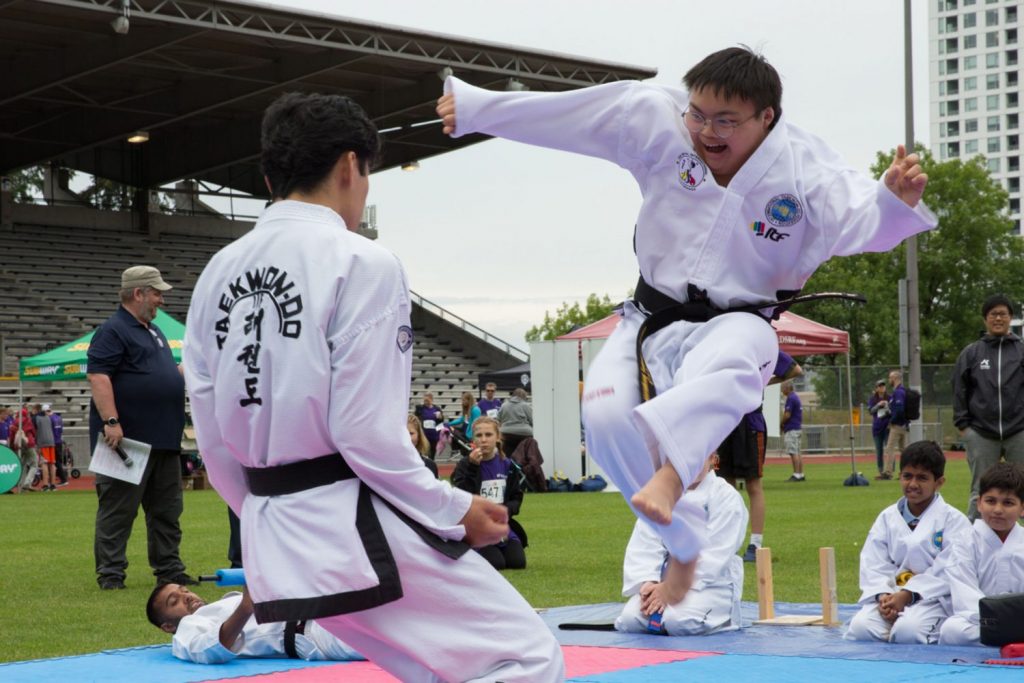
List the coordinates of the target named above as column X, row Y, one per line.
column 937, row 539
column 783, row 210
column 760, row 229
column 692, row 170
column 404, row 338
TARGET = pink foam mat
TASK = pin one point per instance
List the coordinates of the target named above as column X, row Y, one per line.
column 579, row 661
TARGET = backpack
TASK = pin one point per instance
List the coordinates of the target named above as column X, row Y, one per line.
column 912, row 404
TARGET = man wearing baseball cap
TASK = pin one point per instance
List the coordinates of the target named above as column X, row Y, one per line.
column 138, row 392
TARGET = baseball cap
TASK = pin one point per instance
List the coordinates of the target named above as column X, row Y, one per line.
column 143, row 276
column 46, row 406
column 880, row 383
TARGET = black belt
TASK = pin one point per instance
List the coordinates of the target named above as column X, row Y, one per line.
column 291, row 629
column 664, row 310
column 298, row 476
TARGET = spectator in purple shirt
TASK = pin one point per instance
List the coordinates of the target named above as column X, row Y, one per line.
column 878, row 406
column 58, row 441
column 898, row 423
column 489, row 405
column 431, row 417
column 792, row 425
column 488, row 473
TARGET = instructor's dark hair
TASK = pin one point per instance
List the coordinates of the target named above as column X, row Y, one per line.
column 152, row 612
column 739, row 72
column 996, row 300
column 927, row 455
column 1003, row 476
column 304, row 134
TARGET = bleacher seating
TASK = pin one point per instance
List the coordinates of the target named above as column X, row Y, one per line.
column 58, row 283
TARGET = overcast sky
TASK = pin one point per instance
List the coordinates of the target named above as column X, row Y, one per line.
column 501, row 232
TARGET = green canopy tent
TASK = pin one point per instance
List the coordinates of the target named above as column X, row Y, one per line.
column 68, row 362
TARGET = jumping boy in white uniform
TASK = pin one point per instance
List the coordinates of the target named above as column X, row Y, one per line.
column 713, row 603
column 991, row 562
column 298, row 356
column 739, row 209
column 903, row 597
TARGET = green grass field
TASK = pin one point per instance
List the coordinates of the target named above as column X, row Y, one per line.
column 52, row 606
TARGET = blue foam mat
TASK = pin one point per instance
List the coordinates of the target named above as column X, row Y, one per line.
column 787, row 641
column 773, row 669
column 137, row 664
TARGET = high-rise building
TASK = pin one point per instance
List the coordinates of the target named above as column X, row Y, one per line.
column 974, row 74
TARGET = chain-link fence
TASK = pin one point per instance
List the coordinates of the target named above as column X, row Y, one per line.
column 823, row 391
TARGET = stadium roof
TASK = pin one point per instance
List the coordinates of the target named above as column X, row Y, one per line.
column 197, row 74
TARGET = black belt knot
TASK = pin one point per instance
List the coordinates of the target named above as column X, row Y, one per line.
column 298, row 476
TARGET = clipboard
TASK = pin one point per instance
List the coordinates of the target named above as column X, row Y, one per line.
column 106, row 461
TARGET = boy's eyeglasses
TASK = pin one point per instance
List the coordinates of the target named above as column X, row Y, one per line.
column 722, row 128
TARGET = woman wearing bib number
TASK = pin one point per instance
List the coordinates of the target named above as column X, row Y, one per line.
column 487, row 472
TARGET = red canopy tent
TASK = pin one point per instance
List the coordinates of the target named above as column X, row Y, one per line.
column 798, row 336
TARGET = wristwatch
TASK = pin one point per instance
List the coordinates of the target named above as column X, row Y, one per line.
column 111, row 421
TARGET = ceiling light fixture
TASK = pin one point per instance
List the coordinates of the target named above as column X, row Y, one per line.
column 138, row 137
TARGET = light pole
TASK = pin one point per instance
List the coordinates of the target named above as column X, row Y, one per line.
column 913, row 308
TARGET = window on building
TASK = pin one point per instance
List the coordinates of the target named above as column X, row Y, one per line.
column 1011, row 58
column 1013, row 184
column 992, row 123
column 991, row 17
column 970, row 104
column 1013, row 164
column 992, row 102
column 952, row 150
column 992, row 82
column 1016, row 227
column 953, row 108
column 970, row 147
column 992, row 145
column 993, row 165
column 1012, row 143
column 1012, row 99
column 970, row 63
column 992, row 39
column 1012, row 79
column 1011, row 37
column 971, row 83
column 1015, row 205
column 1011, row 14
column 971, row 125
column 970, row 42
column 970, row 20
column 948, row 25
column 992, row 60
column 952, row 128
column 1012, row 121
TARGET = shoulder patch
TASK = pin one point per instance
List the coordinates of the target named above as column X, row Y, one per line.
column 405, row 338
column 691, row 170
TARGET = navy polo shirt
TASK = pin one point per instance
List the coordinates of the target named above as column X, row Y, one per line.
column 149, row 392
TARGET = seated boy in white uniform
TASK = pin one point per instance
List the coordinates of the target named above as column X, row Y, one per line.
column 903, row 598
column 992, row 562
column 220, row 631
column 713, row 602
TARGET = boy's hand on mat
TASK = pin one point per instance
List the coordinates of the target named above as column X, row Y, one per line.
column 486, row 522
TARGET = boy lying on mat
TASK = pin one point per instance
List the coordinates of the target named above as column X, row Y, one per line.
column 220, row 631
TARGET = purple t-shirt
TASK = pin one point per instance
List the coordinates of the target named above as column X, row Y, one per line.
column 486, row 405
column 58, row 428
column 755, row 420
column 493, row 478
column 796, row 413
column 430, row 416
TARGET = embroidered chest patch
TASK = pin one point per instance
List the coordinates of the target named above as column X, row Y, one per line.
column 783, row 210
column 690, row 170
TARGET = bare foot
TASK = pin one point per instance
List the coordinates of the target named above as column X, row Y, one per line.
column 659, row 495
column 677, row 581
